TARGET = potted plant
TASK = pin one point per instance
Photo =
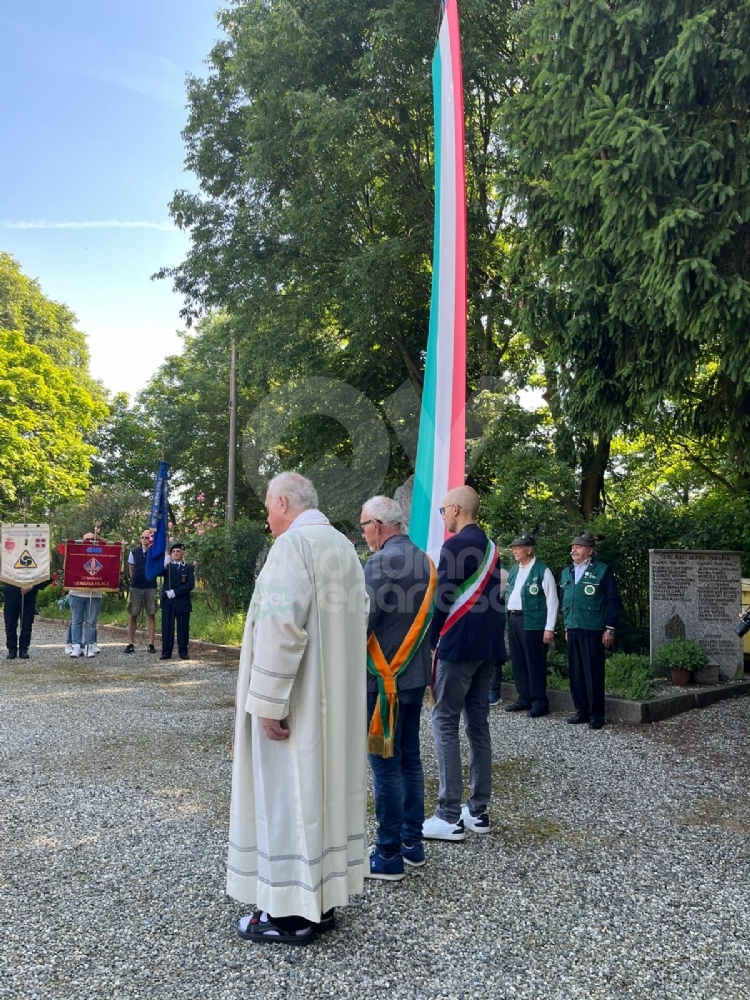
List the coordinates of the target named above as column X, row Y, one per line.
column 681, row 657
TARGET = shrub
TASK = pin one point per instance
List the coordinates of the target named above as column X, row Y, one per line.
column 227, row 558
column 681, row 654
column 628, row 675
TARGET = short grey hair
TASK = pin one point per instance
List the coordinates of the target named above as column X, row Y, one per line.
column 299, row 492
column 385, row 510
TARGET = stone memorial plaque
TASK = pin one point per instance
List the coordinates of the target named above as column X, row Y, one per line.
column 697, row 594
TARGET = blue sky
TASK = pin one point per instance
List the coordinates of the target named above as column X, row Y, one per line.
column 93, row 106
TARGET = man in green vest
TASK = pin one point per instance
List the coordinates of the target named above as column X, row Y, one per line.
column 531, row 605
column 591, row 606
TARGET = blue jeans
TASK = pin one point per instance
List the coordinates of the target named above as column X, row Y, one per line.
column 83, row 609
column 399, row 780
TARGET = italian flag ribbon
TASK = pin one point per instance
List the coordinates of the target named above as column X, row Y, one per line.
column 383, row 722
column 469, row 592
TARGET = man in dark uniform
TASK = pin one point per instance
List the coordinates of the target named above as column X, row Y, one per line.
column 19, row 603
column 531, row 604
column 179, row 580
column 468, row 633
column 591, row 606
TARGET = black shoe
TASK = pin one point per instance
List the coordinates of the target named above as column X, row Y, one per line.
column 12, row 654
column 327, row 921
column 151, row 647
column 578, row 719
column 163, row 657
column 184, row 656
column 596, row 723
column 537, row 713
column 130, row 648
column 517, row 706
column 24, row 654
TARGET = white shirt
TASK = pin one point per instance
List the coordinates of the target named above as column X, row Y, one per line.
column 579, row 570
column 548, row 586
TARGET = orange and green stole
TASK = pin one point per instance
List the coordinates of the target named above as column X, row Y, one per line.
column 383, row 723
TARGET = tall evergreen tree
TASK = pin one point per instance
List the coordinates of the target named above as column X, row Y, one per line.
column 633, row 135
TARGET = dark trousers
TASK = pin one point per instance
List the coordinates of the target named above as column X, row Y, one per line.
column 399, row 780
column 586, row 671
column 528, row 657
column 170, row 618
column 18, row 606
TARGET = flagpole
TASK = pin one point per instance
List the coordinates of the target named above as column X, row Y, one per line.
column 441, row 446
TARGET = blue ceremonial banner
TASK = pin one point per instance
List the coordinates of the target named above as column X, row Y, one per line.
column 158, row 521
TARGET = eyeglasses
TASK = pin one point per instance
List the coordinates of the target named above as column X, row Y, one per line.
column 146, row 538
column 363, row 524
column 442, row 510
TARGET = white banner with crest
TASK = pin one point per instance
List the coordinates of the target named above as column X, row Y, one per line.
column 25, row 554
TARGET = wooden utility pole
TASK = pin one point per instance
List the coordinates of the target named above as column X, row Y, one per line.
column 232, row 462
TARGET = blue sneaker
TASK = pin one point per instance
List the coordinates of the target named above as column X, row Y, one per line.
column 389, row 868
column 413, row 854
column 494, row 698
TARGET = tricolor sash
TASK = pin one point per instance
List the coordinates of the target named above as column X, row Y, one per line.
column 467, row 596
column 469, row 592
column 383, row 723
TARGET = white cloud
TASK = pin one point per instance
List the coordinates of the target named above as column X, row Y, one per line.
column 94, row 224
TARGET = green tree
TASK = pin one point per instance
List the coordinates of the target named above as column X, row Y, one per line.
column 42, row 322
column 633, row 132
column 45, row 416
column 127, row 451
column 311, row 138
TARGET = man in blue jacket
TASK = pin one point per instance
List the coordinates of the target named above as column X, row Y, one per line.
column 467, row 633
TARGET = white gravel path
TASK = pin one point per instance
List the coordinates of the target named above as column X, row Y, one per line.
column 618, row 865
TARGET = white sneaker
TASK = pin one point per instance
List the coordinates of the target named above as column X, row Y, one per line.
column 76, row 650
column 435, row 828
column 90, row 651
column 94, row 648
column 477, row 824
column 68, row 648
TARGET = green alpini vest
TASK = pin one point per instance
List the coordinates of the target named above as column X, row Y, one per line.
column 533, row 601
column 583, row 603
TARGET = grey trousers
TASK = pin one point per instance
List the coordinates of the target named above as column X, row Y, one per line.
column 462, row 685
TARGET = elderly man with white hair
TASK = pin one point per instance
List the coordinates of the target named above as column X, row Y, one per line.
column 401, row 581
column 297, row 817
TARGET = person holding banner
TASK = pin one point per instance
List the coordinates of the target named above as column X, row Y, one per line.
column 19, row 605
column 24, row 569
column 84, row 608
column 467, row 634
column 401, row 581
column 142, row 592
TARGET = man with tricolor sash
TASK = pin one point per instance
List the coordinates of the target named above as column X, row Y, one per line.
column 467, row 634
column 401, row 581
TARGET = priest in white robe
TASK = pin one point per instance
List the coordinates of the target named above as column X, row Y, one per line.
column 297, row 818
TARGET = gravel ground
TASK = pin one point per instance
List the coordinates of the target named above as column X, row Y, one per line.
column 617, row 866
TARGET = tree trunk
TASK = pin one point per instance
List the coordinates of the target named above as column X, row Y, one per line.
column 594, row 458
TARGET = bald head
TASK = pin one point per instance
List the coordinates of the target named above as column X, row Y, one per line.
column 464, row 497
column 460, row 508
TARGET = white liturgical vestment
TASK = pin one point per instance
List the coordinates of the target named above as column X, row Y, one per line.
column 297, row 817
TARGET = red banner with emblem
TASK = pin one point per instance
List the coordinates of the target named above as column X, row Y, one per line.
column 92, row 565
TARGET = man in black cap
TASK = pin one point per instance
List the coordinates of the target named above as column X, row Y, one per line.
column 531, row 603
column 591, row 606
column 179, row 580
